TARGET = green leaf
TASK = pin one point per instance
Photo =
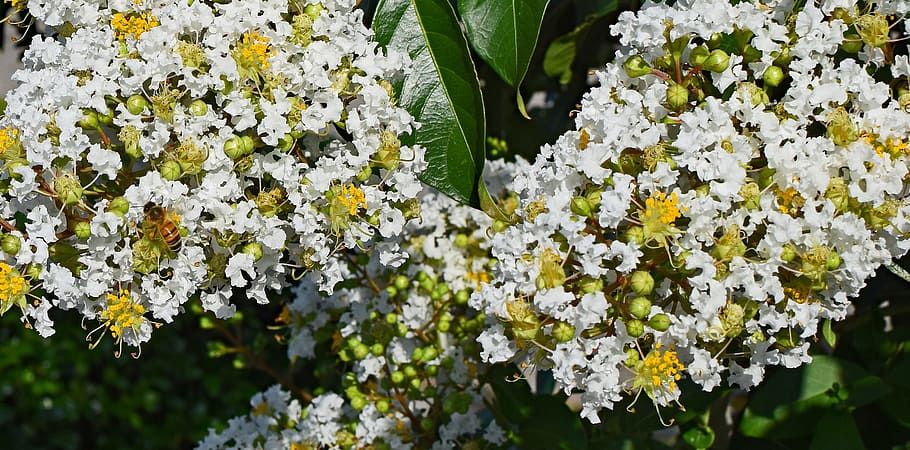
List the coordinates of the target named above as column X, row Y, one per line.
column 699, row 436
column 504, row 34
column 514, row 400
column 553, row 426
column 836, row 429
column 558, row 59
column 828, row 333
column 441, row 91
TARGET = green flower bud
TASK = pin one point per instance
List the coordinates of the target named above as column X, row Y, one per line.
column 640, row 307
column 580, row 206
column 377, row 349
column 82, row 229
column 635, row 233
column 410, row 371
column 391, row 318
column 833, row 261
column 698, row 56
column 137, row 104
column 10, row 244
column 89, row 120
column 461, row 240
column 255, row 250
column 358, row 403
column 199, row 108
column 563, row 332
column 788, row 253
column 171, row 171
column 660, row 322
column 69, row 190
column 499, row 226
column 636, row 66
column 360, row 351
column 677, row 96
column 382, row 407
column 402, row 282
column 462, row 297
column 773, row 76
column 417, row 354
column 717, row 61
column 444, row 326
column 429, row 353
column 635, row 328
column 642, row 282
column 397, row 377
column 247, row 144
column 233, row 148
column 590, row 285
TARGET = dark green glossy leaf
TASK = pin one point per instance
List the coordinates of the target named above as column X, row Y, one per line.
column 836, row 429
column 867, row 390
column 558, row 59
column 504, row 34
column 514, row 400
column 699, row 437
column 441, row 91
column 552, row 426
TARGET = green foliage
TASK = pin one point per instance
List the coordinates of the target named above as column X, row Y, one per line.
column 58, row 394
column 442, row 92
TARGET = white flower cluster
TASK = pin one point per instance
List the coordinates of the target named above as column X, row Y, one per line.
column 156, row 150
column 739, row 173
column 407, row 339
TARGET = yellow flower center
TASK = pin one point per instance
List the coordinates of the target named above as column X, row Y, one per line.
column 12, row 285
column 133, row 24
column 352, row 198
column 659, row 371
column 253, row 51
column 122, row 313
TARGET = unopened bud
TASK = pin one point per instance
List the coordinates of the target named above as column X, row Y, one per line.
column 636, row 66
column 717, row 61
column 642, row 282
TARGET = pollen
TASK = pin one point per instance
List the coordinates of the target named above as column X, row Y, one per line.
column 789, row 201
column 662, row 208
column 479, row 278
column 661, row 370
column 121, row 313
column 13, row 286
column 352, row 198
column 253, row 52
column 133, row 24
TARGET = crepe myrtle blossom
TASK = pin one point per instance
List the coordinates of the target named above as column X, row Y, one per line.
column 405, row 341
column 737, row 175
column 158, row 150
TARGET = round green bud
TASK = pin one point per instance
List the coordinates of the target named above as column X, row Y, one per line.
column 89, row 120
column 409, row 371
column 636, row 66
column 358, row 403
column 344, row 355
column 415, row 383
column 377, row 349
column 360, row 351
column 171, row 170
column 717, row 61
column 635, row 233
column 382, row 407
column 580, row 206
column 590, row 285
column 119, row 206
column 773, row 76
column 82, row 229
column 642, row 282
column 417, row 354
column 136, row 104
column 677, row 96
column 253, row 249
column 313, row 10
column 660, row 322
column 402, row 282
column 247, row 144
column 698, row 56
column 635, row 328
column 391, row 318
column 199, row 108
column 499, row 226
column 788, row 253
column 429, row 353
column 10, row 244
column 461, row 240
column 397, row 377
column 391, row 290
column 444, row 326
column 233, row 148
column 632, row 357
column 563, row 332
column 833, row 261
column 640, row 307
column 462, row 297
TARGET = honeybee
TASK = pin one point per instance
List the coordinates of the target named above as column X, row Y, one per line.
column 159, row 220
